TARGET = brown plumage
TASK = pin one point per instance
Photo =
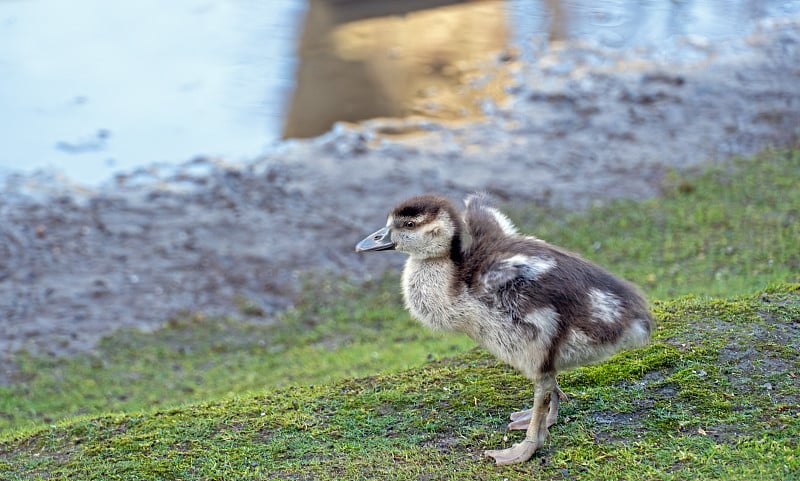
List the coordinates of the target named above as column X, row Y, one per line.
column 535, row 306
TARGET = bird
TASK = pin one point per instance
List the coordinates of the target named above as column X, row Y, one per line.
column 535, row 306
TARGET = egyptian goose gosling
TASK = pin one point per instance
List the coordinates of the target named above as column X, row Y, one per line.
column 535, row 306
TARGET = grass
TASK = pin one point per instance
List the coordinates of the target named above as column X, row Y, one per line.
column 730, row 230
column 195, row 357
column 689, row 406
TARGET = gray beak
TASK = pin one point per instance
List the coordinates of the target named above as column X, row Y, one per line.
column 379, row 241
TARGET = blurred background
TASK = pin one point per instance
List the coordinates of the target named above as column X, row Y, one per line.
column 182, row 183
column 89, row 88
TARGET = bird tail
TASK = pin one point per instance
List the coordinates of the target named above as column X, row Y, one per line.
column 478, row 200
column 484, row 221
column 482, row 218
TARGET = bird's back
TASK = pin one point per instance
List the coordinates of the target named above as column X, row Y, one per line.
column 523, row 277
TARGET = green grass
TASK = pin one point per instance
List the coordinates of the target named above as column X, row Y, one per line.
column 339, row 333
column 692, row 405
column 732, row 229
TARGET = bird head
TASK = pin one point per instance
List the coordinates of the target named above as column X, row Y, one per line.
column 422, row 227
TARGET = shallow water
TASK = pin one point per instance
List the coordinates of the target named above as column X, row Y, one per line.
column 91, row 88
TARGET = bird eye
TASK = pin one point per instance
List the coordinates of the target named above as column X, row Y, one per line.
column 409, row 224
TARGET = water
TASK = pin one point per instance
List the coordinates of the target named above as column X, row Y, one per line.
column 89, row 88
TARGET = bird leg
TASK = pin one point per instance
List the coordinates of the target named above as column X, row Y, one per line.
column 537, row 433
column 521, row 419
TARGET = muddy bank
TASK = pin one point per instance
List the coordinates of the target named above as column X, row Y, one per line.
column 583, row 125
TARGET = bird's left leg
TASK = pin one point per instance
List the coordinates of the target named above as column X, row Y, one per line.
column 521, row 419
column 537, row 428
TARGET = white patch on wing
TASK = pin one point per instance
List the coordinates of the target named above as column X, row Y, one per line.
column 539, row 265
column 503, row 272
column 505, row 223
column 605, row 306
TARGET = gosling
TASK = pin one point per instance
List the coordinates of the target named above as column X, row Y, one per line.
column 535, row 306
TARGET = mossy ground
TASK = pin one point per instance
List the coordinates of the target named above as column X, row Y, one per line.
column 714, row 396
column 694, row 404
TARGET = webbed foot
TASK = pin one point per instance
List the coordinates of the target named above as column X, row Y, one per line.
column 518, row 453
column 520, row 420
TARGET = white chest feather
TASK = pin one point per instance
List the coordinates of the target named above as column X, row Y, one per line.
column 431, row 297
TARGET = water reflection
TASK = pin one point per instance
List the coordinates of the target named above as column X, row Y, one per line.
column 359, row 60
column 91, row 89
column 384, row 58
column 632, row 23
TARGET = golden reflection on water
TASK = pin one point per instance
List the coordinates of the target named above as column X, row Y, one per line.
column 360, row 59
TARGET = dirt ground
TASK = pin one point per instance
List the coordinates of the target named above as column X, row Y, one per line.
column 583, row 125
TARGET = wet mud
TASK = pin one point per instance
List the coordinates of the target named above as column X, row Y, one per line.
column 581, row 125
